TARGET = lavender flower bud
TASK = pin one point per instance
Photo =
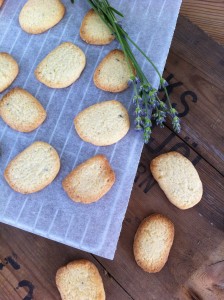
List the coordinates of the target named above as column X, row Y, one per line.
column 138, row 127
column 163, row 83
column 162, row 105
column 176, row 124
column 173, row 112
column 137, row 110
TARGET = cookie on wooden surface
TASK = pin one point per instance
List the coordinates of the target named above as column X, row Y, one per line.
column 62, row 66
column 38, row 16
column 9, row 70
column 178, row 178
column 103, row 124
column 94, row 31
column 80, row 280
column 21, row 111
column 113, row 73
column 1, row 2
column 33, row 169
column 90, row 181
column 152, row 243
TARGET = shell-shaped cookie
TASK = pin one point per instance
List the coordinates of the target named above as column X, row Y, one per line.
column 94, row 31
column 79, row 280
column 152, row 243
column 178, row 178
column 103, row 124
column 62, row 66
column 21, row 111
column 90, row 181
column 1, row 2
column 9, row 70
column 38, row 16
column 113, row 73
column 33, row 169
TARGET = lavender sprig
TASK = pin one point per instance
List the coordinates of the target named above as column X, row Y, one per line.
column 148, row 105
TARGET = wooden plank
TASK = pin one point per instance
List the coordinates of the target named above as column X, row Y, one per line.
column 199, row 98
column 199, row 238
column 208, row 15
column 192, row 45
column 32, row 261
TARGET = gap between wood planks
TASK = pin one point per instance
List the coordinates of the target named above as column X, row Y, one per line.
column 208, row 15
column 110, row 275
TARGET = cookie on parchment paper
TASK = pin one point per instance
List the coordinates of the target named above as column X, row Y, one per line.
column 9, row 70
column 79, row 280
column 33, row 169
column 113, row 73
column 37, row 16
column 21, row 111
column 178, row 178
column 103, row 124
column 62, row 66
column 1, row 2
column 152, row 243
column 94, row 31
column 90, row 181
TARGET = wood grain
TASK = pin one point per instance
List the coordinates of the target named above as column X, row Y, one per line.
column 39, row 260
column 199, row 239
column 200, row 94
column 208, row 15
column 199, row 235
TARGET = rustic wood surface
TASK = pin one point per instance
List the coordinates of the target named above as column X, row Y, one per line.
column 195, row 269
column 207, row 14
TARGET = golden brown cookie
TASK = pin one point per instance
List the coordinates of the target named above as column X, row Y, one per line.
column 113, row 73
column 103, row 124
column 33, row 169
column 152, row 243
column 178, row 178
column 90, row 181
column 37, row 16
column 79, row 280
column 62, row 66
column 9, row 70
column 21, row 111
column 94, row 31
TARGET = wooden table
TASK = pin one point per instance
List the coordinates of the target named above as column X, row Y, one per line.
column 195, row 71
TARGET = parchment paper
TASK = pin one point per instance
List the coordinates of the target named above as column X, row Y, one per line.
column 50, row 213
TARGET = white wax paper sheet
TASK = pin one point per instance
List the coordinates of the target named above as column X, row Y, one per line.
column 50, row 213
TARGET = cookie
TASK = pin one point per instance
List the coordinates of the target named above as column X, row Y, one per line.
column 62, row 66
column 21, row 111
column 103, row 124
column 178, row 178
column 94, row 31
column 9, row 70
column 90, row 181
column 152, row 243
column 79, row 280
column 33, row 169
column 1, row 2
column 37, row 16
column 113, row 73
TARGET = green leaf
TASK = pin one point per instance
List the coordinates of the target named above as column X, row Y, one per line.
column 116, row 11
